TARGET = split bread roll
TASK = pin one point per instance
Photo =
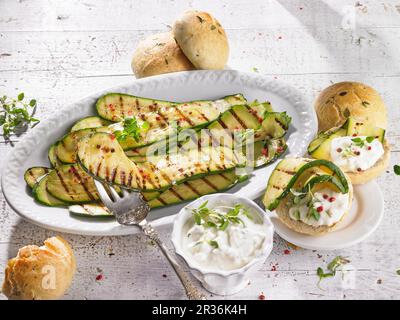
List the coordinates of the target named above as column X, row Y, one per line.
column 159, row 54
column 40, row 273
column 349, row 99
column 202, row 39
column 283, row 213
column 373, row 172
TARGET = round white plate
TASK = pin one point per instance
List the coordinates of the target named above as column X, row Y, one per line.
column 364, row 217
column 182, row 86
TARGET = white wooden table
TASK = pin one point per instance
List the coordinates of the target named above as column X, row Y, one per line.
column 60, row 51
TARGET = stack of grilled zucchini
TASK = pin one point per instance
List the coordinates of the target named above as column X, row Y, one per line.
column 166, row 170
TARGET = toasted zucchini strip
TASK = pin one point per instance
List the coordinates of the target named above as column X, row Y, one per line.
column 102, row 156
column 32, row 175
column 53, row 157
column 41, row 194
column 90, row 122
column 117, row 106
column 94, row 210
column 179, row 193
column 193, row 189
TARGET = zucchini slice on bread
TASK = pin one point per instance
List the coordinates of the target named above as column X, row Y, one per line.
column 309, row 196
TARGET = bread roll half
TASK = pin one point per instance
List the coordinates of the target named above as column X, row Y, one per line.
column 202, row 39
column 40, row 273
column 283, row 213
column 159, row 54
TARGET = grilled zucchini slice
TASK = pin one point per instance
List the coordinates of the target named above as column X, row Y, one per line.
column 117, row 106
column 102, row 156
column 179, row 193
column 90, row 122
column 42, row 196
column 53, row 157
column 290, row 171
column 33, row 175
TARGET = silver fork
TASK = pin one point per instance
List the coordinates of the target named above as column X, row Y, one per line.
column 130, row 209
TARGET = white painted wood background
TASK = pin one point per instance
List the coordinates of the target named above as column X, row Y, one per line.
column 60, row 51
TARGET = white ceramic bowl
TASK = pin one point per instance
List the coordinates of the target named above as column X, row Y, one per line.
column 222, row 282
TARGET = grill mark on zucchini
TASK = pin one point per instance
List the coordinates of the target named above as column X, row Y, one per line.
column 64, row 184
column 238, row 119
column 122, row 176
column 223, row 125
column 223, row 176
column 291, row 173
column 185, row 117
column 204, row 116
column 130, row 177
column 121, row 101
column 210, row 184
column 98, row 167
column 107, row 173
column 161, row 200
column 162, row 116
column 82, row 183
column 114, row 174
column 194, row 190
column 177, row 194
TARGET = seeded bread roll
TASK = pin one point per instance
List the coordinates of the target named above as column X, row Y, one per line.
column 349, row 99
column 202, row 39
column 40, row 273
column 158, row 54
column 283, row 213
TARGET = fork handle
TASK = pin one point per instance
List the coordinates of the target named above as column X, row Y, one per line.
column 192, row 291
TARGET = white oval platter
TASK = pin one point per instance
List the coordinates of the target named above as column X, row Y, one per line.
column 181, row 86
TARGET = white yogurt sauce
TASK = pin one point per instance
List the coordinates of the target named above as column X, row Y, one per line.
column 329, row 204
column 230, row 249
column 354, row 158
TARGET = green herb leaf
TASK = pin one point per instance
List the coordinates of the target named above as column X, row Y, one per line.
column 398, row 271
column 396, row 169
column 213, row 244
column 332, row 267
column 15, row 114
column 356, row 140
column 370, row 139
column 131, row 129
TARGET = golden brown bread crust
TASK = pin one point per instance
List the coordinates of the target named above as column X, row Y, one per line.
column 159, row 54
column 283, row 213
column 29, row 276
column 349, row 99
column 373, row 172
column 202, row 39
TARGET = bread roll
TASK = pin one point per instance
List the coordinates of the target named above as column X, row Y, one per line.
column 283, row 213
column 202, row 39
column 40, row 273
column 349, row 99
column 158, row 54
